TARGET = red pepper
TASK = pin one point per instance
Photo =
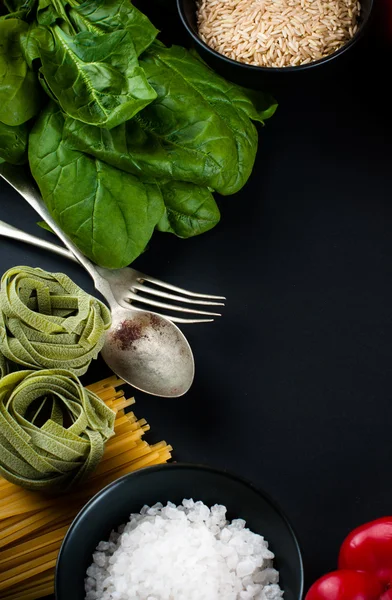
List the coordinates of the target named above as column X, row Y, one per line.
column 365, row 566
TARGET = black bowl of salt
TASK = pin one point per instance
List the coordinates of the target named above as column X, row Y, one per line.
column 191, row 547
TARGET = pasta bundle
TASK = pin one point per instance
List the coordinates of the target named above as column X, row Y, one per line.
column 52, row 429
column 49, row 322
column 32, row 526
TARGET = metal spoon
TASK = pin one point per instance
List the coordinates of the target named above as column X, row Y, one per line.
column 144, row 349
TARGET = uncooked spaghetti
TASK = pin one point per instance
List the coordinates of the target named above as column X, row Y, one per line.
column 32, row 526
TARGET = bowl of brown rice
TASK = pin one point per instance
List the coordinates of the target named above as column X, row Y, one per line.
column 247, row 40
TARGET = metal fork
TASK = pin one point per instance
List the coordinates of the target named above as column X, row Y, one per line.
column 126, row 285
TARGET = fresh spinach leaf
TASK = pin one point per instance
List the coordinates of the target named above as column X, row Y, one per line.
column 13, row 143
column 173, row 71
column 112, row 15
column 51, row 12
column 109, row 214
column 31, row 40
column 44, row 225
column 20, row 93
column 139, row 146
column 258, row 106
column 197, row 130
column 189, row 209
column 95, row 78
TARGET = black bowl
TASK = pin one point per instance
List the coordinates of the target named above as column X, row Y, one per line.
column 264, row 77
column 112, row 506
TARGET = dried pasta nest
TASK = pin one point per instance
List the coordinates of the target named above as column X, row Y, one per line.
column 52, row 429
column 48, row 322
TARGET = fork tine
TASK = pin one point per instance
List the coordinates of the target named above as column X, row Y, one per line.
column 149, row 290
column 189, row 321
column 149, row 302
column 179, row 319
column 174, row 288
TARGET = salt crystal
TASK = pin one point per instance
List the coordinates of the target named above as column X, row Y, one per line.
column 188, row 552
column 267, row 576
column 272, row 592
column 238, row 524
column 225, row 535
column 100, row 559
column 245, row 567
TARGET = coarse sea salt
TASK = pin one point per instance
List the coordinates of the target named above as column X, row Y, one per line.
column 187, row 552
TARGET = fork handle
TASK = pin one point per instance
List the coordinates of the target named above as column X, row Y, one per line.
column 14, row 233
column 21, row 181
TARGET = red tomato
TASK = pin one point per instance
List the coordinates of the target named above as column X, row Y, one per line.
column 346, row 585
column 369, row 548
column 365, row 566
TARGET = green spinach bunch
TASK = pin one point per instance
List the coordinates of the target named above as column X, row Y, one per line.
column 124, row 135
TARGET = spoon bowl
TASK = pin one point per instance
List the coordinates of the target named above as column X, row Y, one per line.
column 149, row 352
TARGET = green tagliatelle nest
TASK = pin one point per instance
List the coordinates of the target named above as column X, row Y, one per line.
column 48, row 322
column 52, row 429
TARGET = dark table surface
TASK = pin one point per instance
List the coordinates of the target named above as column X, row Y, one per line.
column 293, row 384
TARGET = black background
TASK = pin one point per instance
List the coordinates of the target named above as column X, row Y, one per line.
column 293, row 384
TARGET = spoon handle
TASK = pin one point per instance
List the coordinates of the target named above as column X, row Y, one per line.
column 14, row 233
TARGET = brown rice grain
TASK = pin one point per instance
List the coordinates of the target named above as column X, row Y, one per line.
column 277, row 32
